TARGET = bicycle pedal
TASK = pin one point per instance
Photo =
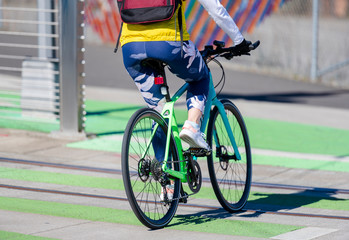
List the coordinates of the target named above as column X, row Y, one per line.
column 200, row 152
column 184, row 197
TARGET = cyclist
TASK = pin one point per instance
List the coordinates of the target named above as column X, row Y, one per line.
column 162, row 40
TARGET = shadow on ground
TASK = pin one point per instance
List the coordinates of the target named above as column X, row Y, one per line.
column 263, row 204
column 287, row 97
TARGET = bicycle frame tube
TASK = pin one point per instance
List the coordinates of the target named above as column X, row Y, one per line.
column 168, row 113
column 221, row 110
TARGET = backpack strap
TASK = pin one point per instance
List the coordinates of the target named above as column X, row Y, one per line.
column 118, row 41
column 180, row 22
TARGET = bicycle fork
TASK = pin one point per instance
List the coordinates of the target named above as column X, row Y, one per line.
column 213, row 101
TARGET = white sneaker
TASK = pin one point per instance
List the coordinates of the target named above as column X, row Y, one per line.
column 169, row 193
column 193, row 136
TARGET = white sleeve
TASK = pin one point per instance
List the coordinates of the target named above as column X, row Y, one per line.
column 222, row 19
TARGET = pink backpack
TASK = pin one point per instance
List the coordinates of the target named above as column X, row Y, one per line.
column 147, row 11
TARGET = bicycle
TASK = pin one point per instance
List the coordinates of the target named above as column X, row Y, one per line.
column 229, row 161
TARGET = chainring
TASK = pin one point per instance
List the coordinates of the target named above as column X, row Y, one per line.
column 194, row 172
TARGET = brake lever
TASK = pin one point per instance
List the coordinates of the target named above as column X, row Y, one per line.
column 227, row 56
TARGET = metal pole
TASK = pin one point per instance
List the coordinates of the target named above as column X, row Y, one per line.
column 314, row 59
column 45, row 29
column 72, row 114
column 0, row 13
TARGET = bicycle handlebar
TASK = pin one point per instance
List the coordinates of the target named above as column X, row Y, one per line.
column 228, row 53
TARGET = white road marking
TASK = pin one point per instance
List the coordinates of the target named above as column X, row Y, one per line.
column 305, row 233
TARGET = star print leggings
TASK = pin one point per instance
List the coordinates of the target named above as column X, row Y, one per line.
column 191, row 67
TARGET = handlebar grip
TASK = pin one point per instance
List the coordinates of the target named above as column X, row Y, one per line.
column 254, row 45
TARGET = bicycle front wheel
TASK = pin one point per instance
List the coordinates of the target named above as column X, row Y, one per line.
column 143, row 151
column 230, row 178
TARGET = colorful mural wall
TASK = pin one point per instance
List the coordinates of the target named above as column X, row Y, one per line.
column 103, row 18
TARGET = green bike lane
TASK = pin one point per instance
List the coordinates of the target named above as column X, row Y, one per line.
column 218, row 222
column 106, row 122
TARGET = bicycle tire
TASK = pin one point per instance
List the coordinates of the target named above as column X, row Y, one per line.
column 142, row 187
column 230, row 179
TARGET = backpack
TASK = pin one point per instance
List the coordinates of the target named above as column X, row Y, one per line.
column 148, row 11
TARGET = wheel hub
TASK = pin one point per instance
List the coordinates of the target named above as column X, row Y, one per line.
column 144, row 169
column 155, row 169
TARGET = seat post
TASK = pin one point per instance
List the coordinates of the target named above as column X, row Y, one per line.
column 164, row 88
column 159, row 68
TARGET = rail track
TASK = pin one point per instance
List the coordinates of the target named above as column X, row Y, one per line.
column 208, row 207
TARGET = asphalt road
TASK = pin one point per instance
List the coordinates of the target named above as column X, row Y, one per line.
column 105, row 69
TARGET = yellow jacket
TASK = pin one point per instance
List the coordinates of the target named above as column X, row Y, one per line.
column 160, row 31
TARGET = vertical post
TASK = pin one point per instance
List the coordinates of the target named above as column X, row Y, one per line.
column 72, row 114
column 44, row 16
column 0, row 13
column 314, row 59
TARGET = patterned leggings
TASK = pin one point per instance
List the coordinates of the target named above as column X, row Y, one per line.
column 191, row 67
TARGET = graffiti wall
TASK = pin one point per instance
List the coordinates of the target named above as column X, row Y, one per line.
column 103, row 17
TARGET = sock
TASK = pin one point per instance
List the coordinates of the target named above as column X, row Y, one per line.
column 193, row 124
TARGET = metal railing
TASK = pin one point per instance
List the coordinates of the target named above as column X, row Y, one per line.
column 41, row 62
column 315, row 71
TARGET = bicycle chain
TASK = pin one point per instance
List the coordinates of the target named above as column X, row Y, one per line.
column 186, row 196
column 187, row 153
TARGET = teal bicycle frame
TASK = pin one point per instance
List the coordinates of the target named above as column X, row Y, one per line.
column 168, row 113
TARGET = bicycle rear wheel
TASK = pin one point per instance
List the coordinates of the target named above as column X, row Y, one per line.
column 141, row 168
column 230, row 178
